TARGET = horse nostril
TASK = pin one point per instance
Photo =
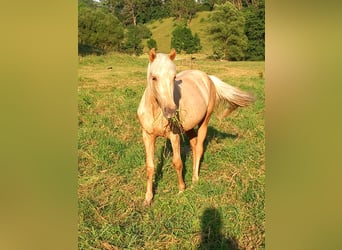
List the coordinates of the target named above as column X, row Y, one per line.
column 169, row 112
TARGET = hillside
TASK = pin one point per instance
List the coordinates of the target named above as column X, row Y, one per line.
column 162, row 30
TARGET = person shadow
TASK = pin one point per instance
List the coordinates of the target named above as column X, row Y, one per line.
column 211, row 235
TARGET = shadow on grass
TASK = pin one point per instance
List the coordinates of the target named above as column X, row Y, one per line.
column 84, row 50
column 211, row 235
column 214, row 134
column 166, row 152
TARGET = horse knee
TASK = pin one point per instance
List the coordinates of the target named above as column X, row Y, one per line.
column 177, row 163
column 149, row 172
column 199, row 150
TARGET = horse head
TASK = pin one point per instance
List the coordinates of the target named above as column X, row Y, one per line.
column 161, row 76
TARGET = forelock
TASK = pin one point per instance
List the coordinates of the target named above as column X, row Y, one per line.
column 163, row 63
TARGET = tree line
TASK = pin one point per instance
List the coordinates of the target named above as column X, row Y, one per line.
column 236, row 26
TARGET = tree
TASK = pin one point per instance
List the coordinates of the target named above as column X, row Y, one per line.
column 228, row 33
column 239, row 4
column 151, row 43
column 133, row 38
column 133, row 41
column 134, row 12
column 99, row 29
column 193, row 45
column 152, row 10
column 144, row 32
column 209, row 4
column 255, row 31
column 177, row 39
column 183, row 9
column 131, row 11
column 126, row 10
column 85, row 3
column 183, row 40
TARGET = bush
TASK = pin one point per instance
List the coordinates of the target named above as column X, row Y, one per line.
column 204, row 7
column 227, row 30
column 133, row 41
column 84, row 49
column 183, row 40
column 144, row 32
column 151, row 43
column 255, row 31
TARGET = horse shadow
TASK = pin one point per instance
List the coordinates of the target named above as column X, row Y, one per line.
column 166, row 151
column 211, row 232
column 214, row 134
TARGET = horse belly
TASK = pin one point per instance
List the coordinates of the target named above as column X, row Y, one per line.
column 193, row 102
column 192, row 116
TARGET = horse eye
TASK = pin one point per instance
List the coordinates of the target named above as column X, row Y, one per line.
column 154, row 78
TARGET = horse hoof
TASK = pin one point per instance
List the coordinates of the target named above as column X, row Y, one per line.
column 181, row 188
column 194, row 181
column 147, row 203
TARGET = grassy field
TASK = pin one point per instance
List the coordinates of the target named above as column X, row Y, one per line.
column 226, row 209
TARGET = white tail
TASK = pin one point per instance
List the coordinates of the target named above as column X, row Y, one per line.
column 230, row 95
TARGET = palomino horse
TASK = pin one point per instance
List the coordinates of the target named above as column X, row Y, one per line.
column 176, row 103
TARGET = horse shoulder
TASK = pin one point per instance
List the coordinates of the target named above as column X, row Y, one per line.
column 145, row 115
column 150, row 116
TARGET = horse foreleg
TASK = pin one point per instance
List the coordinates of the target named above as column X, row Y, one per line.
column 202, row 133
column 177, row 160
column 193, row 141
column 149, row 142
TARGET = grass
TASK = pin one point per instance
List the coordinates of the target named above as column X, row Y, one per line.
column 226, row 207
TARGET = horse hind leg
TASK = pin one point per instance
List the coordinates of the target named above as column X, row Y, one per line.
column 202, row 133
column 199, row 148
column 193, row 142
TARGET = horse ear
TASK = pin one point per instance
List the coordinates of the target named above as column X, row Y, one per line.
column 172, row 54
column 152, row 55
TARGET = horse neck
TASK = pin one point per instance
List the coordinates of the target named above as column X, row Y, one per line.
column 149, row 90
column 148, row 86
column 149, row 96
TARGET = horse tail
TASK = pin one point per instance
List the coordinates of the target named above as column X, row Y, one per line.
column 227, row 94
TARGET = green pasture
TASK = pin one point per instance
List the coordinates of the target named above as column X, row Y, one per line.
column 224, row 210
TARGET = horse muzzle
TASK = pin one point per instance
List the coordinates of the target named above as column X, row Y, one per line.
column 169, row 112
